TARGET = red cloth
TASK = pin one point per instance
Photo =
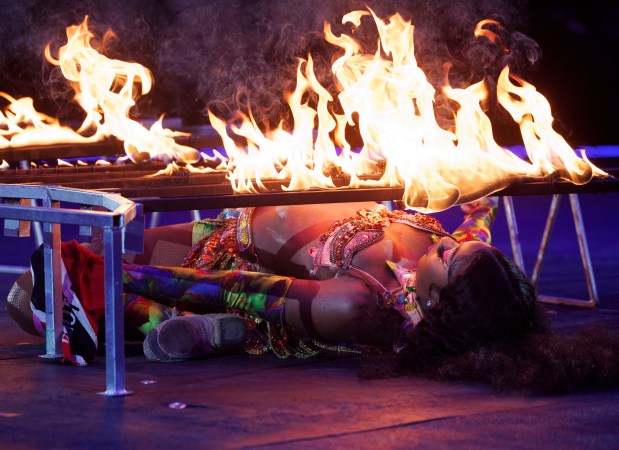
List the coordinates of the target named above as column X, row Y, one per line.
column 86, row 271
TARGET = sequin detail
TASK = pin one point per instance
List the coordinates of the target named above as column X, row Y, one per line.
column 345, row 237
column 403, row 299
column 243, row 230
column 227, row 244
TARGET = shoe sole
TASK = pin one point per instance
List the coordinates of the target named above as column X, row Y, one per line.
column 228, row 330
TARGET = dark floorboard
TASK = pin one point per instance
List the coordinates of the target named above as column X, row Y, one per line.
column 241, row 401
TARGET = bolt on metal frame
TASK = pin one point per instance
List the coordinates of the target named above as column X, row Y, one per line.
column 122, row 224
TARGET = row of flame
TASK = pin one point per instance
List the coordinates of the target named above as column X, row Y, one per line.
column 386, row 94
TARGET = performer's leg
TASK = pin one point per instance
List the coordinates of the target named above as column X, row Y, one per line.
column 196, row 336
column 478, row 220
column 257, row 293
column 142, row 315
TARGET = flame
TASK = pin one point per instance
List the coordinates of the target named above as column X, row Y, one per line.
column 107, row 90
column 480, row 31
column 390, row 99
column 21, row 125
column 385, row 94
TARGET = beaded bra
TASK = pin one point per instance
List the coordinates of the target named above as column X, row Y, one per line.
column 344, row 238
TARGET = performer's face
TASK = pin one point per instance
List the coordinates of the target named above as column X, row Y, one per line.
column 433, row 268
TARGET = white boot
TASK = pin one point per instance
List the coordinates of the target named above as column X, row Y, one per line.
column 193, row 336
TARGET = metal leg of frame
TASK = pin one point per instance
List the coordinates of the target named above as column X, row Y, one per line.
column 114, row 320
column 53, row 287
column 512, row 225
column 154, row 219
column 584, row 254
column 550, row 222
column 584, row 249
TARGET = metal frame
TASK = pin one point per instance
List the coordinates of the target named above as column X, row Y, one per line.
column 593, row 299
column 122, row 223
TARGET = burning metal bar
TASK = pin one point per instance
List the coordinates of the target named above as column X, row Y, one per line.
column 184, row 189
column 107, row 147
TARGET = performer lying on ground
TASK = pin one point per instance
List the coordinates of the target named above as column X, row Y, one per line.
column 302, row 280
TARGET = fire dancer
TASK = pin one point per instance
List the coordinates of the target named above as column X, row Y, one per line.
column 303, row 280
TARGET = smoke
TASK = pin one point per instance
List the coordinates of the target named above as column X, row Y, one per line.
column 231, row 55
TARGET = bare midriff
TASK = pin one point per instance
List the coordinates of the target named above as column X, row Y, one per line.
column 283, row 236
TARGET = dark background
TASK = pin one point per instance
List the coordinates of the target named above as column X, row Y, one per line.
column 579, row 69
column 226, row 53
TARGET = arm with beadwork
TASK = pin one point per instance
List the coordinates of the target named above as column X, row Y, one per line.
column 478, row 220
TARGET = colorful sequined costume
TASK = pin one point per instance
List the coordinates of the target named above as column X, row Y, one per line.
column 230, row 277
column 226, row 243
column 344, row 238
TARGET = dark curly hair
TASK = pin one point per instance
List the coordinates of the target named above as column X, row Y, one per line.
column 488, row 299
column 489, row 327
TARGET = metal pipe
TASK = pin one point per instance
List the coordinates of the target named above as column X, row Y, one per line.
column 154, row 219
column 38, row 229
column 512, row 226
column 114, row 320
column 567, row 301
column 13, row 269
column 550, row 221
column 584, row 249
column 54, row 303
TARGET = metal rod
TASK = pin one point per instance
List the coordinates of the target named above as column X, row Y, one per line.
column 566, row 301
column 54, row 303
column 154, row 219
column 53, row 215
column 584, row 249
column 550, row 221
column 13, row 269
column 510, row 214
column 114, row 321
column 38, row 229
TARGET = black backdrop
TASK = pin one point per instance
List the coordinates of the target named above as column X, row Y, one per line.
column 200, row 50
